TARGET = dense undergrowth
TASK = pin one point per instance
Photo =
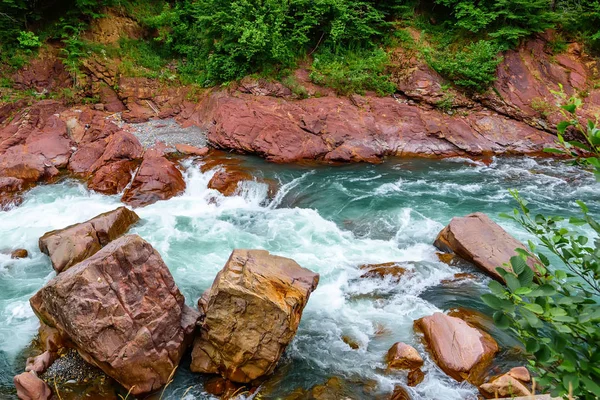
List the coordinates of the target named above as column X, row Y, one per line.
column 345, row 43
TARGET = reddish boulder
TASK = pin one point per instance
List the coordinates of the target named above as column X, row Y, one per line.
column 9, row 191
column 391, row 269
column 123, row 311
column 50, row 339
column 461, row 351
column 479, row 240
column 156, row 179
column 227, row 179
column 26, row 167
column 40, row 364
column 189, row 150
column 30, row 387
column 254, row 308
column 113, row 178
column 403, row 356
column 504, row 386
column 73, row 244
column 415, row 377
column 520, row 373
column 19, row 253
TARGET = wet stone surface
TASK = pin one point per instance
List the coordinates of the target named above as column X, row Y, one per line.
column 169, row 132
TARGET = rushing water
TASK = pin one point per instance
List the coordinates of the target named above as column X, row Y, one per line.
column 330, row 220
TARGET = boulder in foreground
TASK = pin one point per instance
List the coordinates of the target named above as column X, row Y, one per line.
column 479, row 240
column 253, row 311
column 123, row 311
column 461, row 351
column 73, row 244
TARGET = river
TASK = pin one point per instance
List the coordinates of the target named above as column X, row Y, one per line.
column 330, row 219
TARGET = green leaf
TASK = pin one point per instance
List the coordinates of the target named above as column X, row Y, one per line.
column 562, row 126
column 531, row 318
column 543, row 354
column 526, row 277
column 518, row 264
column 532, row 345
column 512, row 282
column 524, row 290
column 492, row 301
column 571, row 381
column 535, row 308
column 497, row 288
column 582, row 205
column 570, row 108
column 590, row 386
column 501, row 320
column 553, row 150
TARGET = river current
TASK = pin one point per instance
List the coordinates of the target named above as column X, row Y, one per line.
column 330, row 220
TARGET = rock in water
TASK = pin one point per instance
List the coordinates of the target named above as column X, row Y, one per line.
column 73, row 244
column 403, row 356
column 254, row 308
column 123, row 311
column 30, row 387
column 503, row 386
column 461, row 351
column 479, row 240
column 156, row 179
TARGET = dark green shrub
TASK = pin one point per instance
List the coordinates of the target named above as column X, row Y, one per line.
column 353, row 71
column 473, row 68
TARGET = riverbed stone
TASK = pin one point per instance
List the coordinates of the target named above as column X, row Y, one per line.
column 73, row 244
column 503, row 386
column 156, row 179
column 30, row 387
column 254, row 308
column 481, row 241
column 19, row 253
column 392, row 270
column 403, row 356
column 415, row 377
column 461, row 350
column 123, row 312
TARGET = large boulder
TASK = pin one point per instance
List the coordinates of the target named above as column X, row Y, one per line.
column 73, row 244
column 254, row 308
column 479, row 240
column 462, row 351
column 156, row 179
column 30, row 387
column 123, row 311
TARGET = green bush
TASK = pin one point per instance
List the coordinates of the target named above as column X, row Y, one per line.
column 473, row 68
column 353, row 71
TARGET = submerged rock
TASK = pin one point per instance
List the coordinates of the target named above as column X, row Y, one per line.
column 462, row 351
column 30, row 387
column 400, row 394
column 403, row 356
column 73, row 244
column 123, row 311
column 415, row 377
column 226, row 180
column 479, row 240
column 19, row 253
column 156, row 179
column 391, row 269
column 253, row 311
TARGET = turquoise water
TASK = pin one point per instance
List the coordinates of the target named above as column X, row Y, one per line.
column 328, row 219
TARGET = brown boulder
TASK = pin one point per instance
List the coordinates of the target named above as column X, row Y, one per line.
column 479, row 240
column 462, row 351
column 30, row 387
column 19, row 253
column 189, row 150
column 403, row 356
column 123, row 311
column 255, row 306
column 391, row 269
column 156, row 179
column 9, row 192
column 521, row 374
column 400, row 393
column 415, row 377
column 40, row 364
column 503, row 386
column 27, row 167
column 50, row 339
column 227, row 179
column 73, row 244
column 113, row 178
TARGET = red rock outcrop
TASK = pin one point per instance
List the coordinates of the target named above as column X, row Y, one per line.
column 40, row 364
column 479, row 240
column 156, row 179
column 462, row 351
column 73, row 244
column 123, row 311
column 254, row 308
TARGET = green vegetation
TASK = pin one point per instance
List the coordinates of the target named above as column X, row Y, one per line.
column 557, row 315
column 210, row 42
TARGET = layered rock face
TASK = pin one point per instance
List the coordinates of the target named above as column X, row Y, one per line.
column 67, row 247
column 479, row 240
column 462, row 351
column 253, row 311
column 123, row 311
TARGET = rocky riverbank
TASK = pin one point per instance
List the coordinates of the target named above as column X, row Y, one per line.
column 114, row 305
